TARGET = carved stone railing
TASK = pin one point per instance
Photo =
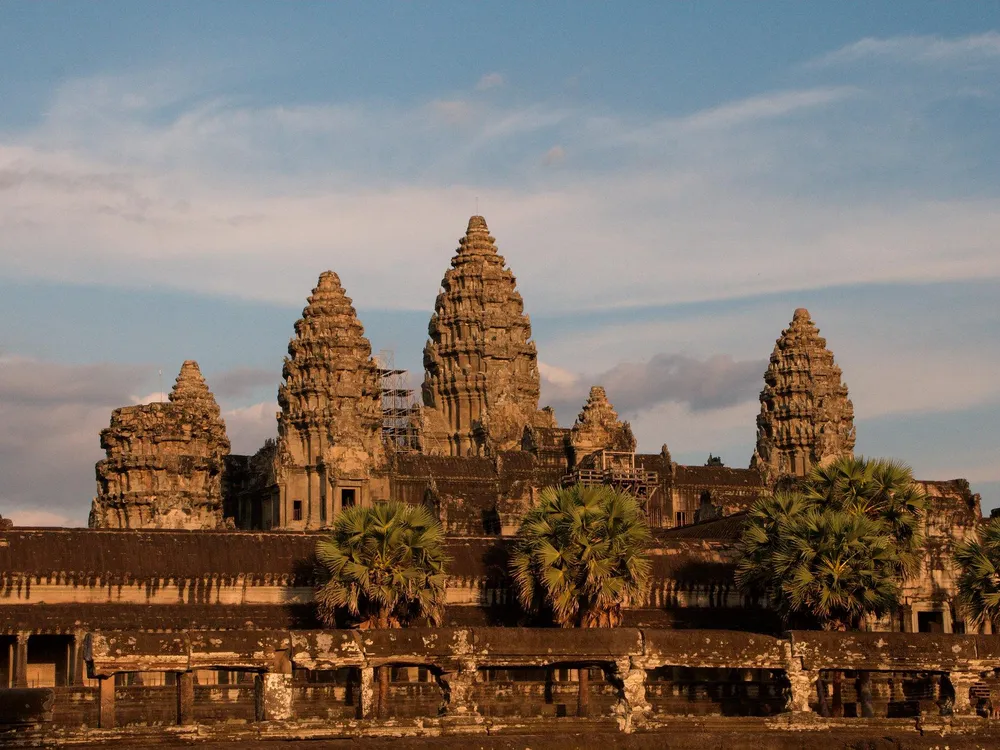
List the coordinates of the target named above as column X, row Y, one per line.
column 711, row 666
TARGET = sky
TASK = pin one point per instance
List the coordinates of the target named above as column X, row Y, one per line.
column 668, row 182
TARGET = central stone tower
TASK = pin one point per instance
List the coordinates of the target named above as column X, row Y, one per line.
column 806, row 418
column 329, row 453
column 481, row 382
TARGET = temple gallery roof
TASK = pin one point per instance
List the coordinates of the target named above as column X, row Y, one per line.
column 286, row 557
column 165, row 554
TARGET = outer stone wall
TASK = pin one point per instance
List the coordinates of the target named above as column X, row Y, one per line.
column 476, row 681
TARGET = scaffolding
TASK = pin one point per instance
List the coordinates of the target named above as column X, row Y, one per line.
column 617, row 469
column 400, row 410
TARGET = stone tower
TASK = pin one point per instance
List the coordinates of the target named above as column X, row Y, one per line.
column 599, row 428
column 164, row 461
column 330, row 425
column 806, row 418
column 481, row 382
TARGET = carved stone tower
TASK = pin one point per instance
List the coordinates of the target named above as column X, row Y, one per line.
column 599, row 428
column 164, row 461
column 329, row 428
column 806, row 417
column 481, row 382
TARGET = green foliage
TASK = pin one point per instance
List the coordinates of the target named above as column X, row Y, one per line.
column 384, row 566
column 978, row 562
column 835, row 552
column 882, row 489
column 580, row 555
column 769, row 525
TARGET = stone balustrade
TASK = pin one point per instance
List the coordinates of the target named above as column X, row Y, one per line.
column 468, row 677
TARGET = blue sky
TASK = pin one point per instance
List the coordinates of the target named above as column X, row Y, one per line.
column 668, row 181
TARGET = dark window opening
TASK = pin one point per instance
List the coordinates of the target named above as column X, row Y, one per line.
column 296, row 510
column 348, row 498
column 930, row 622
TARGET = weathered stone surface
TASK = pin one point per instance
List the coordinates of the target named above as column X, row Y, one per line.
column 806, row 417
column 882, row 651
column 329, row 428
column 712, row 648
column 481, row 381
column 164, row 461
column 599, row 428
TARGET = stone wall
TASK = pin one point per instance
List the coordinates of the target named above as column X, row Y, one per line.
column 475, row 680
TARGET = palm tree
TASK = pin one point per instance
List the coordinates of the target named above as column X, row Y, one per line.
column 880, row 488
column 978, row 561
column 834, row 554
column 382, row 567
column 838, row 568
column 579, row 557
column 764, row 535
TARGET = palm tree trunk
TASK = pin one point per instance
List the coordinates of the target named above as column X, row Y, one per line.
column 583, row 697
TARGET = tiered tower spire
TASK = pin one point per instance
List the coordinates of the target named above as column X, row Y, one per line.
column 164, row 461
column 806, row 418
column 598, row 427
column 481, row 382
column 329, row 427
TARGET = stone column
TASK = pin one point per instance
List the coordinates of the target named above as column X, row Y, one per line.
column 367, row 692
column 962, row 682
column 802, row 683
column 632, row 708
column 21, row 660
column 274, row 697
column 906, row 618
column 185, row 698
column 459, row 686
column 106, row 707
column 79, row 665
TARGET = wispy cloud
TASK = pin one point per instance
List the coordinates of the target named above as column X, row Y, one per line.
column 555, row 155
column 490, row 81
column 793, row 189
column 635, row 387
column 764, row 107
column 918, row 49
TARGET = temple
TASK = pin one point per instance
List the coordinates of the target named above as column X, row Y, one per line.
column 806, row 418
column 164, row 462
column 481, row 382
column 186, row 538
column 329, row 445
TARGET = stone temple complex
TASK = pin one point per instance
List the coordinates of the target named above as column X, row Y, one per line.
column 190, row 599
